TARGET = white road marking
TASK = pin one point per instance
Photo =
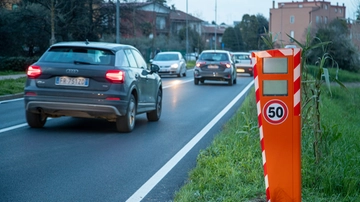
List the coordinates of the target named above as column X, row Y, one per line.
column 13, row 100
column 13, row 127
column 160, row 174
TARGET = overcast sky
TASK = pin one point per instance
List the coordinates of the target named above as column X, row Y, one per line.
column 233, row 10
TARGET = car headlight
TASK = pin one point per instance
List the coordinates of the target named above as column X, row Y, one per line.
column 176, row 65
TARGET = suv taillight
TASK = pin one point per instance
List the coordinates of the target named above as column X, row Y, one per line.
column 33, row 71
column 115, row 76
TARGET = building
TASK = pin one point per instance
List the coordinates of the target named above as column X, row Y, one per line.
column 294, row 18
column 210, row 32
column 10, row 4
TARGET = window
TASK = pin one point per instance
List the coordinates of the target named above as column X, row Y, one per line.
column 340, row 10
column 292, row 19
column 317, row 19
column 325, row 20
column 131, row 58
column 292, row 33
column 300, row 5
column 160, row 23
column 336, row 10
column 139, row 59
column 121, row 59
column 325, row 6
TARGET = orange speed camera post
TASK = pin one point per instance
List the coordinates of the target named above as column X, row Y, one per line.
column 277, row 85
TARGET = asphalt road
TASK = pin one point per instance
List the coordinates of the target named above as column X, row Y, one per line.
column 73, row 159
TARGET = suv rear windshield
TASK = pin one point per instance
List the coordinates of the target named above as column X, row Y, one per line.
column 80, row 55
column 214, row 57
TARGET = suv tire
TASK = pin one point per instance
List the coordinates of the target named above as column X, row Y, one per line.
column 126, row 123
column 155, row 114
column 35, row 120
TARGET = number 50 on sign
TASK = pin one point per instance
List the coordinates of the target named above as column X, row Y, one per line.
column 275, row 112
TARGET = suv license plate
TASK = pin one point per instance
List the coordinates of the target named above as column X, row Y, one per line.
column 72, row 81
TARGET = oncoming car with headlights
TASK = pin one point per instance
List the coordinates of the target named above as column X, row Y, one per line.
column 170, row 63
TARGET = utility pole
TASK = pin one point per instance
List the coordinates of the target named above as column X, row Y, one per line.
column 215, row 24
column 118, row 21
column 52, row 16
column 187, row 32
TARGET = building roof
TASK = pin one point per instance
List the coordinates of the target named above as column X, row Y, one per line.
column 181, row 16
column 210, row 29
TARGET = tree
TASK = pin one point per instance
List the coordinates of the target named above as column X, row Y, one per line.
column 341, row 49
column 231, row 39
column 249, row 30
column 262, row 30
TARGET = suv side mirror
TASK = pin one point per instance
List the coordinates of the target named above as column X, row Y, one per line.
column 154, row 68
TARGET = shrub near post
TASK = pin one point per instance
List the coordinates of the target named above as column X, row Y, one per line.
column 277, row 85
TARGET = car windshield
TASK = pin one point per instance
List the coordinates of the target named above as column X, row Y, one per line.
column 242, row 57
column 79, row 55
column 214, row 57
column 166, row 57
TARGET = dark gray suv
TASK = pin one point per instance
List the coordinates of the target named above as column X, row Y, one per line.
column 92, row 80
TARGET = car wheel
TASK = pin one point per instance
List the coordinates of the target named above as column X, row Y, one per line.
column 155, row 114
column 126, row 123
column 230, row 81
column 202, row 81
column 35, row 120
column 196, row 81
column 235, row 80
column 184, row 74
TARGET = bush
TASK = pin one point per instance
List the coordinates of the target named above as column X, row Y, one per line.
column 16, row 63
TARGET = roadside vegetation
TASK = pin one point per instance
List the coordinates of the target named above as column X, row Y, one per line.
column 231, row 168
column 12, row 86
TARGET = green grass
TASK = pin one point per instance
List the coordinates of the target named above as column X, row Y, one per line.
column 343, row 76
column 190, row 64
column 12, row 86
column 9, row 72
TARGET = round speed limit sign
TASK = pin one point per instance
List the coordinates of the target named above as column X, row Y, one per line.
column 275, row 112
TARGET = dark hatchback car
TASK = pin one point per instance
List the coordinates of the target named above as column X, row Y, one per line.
column 215, row 65
column 92, row 80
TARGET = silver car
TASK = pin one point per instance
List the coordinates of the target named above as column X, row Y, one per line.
column 243, row 62
column 170, row 63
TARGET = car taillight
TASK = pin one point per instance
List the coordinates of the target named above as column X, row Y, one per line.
column 228, row 65
column 115, row 76
column 198, row 64
column 33, row 71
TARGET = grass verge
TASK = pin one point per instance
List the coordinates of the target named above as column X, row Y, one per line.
column 231, row 168
column 12, row 86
